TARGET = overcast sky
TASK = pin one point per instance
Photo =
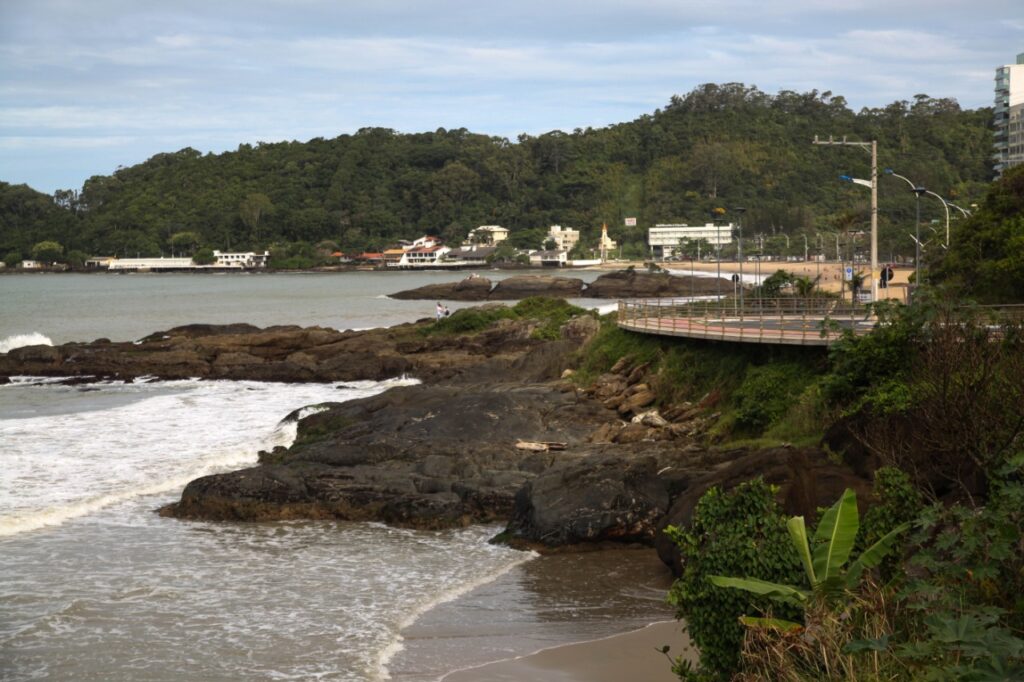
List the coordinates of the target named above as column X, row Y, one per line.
column 88, row 85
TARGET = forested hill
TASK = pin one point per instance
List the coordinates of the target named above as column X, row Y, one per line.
column 719, row 146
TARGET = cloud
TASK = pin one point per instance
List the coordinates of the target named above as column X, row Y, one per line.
column 212, row 75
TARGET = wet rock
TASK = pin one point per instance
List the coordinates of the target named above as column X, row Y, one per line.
column 636, row 284
column 524, row 286
column 592, row 499
column 468, row 289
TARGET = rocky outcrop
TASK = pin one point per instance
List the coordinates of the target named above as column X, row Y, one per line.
column 424, row 456
column 524, row 286
column 636, row 284
column 287, row 354
column 468, row 289
column 622, row 284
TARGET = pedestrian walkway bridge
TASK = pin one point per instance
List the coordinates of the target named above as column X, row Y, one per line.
column 792, row 321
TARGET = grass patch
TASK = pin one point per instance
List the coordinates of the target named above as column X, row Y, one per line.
column 760, row 391
column 550, row 313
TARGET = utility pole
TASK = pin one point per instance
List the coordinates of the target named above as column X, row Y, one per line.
column 872, row 148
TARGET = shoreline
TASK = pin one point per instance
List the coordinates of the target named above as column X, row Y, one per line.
column 554, row 613
column 629, row 655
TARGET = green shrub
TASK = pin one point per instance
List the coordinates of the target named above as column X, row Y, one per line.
column 740, row 532
column 964, row 591
column 895, row 500
column 550, row 313
column 767, row 393
column 469, row 320
column 204, row 256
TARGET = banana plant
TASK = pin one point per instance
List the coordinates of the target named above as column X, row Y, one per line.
column 823, row 561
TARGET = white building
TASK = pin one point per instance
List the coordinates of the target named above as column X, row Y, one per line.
column 555, row 258
column 564, row 237
column 150, row 264
column 426, row 241
column 486, row 235
column 422, row 257
column 1009, row 117
column 247, row 259
column 666, row 239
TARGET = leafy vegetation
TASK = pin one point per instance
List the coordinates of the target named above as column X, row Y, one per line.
column 549, row 313
column 717, row 146
column 935, row 393
column 742, row 530
column 985, row 261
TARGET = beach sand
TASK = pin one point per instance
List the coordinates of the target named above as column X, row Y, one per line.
column 632, row 656
column 556, row 617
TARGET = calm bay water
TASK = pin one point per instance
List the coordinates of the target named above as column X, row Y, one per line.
column 95, row 586
column 80, row 307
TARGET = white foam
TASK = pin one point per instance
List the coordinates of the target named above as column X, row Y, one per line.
column 156, row 438
column 396, row 646
column 21, row 340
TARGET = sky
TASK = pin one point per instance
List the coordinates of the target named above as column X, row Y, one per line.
column 87, row 86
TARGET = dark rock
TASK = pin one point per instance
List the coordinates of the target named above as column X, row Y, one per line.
column 634, row 284
column 591, row 499
column 425, row 456
column 524, row 286
column 468, row 289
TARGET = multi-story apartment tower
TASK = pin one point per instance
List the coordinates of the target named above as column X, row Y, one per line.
column 1009, row 116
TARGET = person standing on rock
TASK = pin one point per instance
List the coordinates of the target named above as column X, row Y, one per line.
column 439, row 311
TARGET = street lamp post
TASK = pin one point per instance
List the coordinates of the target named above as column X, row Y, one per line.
column 918, row 191
column 915, row 188
column 739, row 247
column 873, row 147
column 718, row 255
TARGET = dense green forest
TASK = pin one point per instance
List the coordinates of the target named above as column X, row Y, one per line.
column 718, row 146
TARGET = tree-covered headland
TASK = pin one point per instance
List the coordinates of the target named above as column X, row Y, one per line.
column 726, row 145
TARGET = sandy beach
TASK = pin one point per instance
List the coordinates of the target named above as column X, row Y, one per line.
column 631, row 656
column 567, row 616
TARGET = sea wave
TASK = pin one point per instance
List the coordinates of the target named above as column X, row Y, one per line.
column 20, row 340
column 115, row 449
column 395, row 645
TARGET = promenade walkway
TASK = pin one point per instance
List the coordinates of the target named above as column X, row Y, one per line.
column 790, row 321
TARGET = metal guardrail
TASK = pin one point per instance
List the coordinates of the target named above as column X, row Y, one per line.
column 796, row 321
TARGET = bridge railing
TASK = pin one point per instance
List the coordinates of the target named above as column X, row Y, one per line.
column 805, row 321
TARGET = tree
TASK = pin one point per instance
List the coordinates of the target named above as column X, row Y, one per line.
column 184, row 242
column 47, row 252
column 204, row 257
column 252, row 208
column 12, row 259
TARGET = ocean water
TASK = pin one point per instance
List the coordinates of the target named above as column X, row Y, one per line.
column 125, row 307
column 96, row 586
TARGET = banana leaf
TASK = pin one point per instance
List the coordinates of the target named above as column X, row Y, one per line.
column 835, row 536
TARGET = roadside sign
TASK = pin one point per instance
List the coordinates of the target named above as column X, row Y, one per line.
column 735, row 278
column 630, row 222
column 848, row 273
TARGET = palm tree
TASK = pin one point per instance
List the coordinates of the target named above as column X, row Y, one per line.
column 805, row 286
